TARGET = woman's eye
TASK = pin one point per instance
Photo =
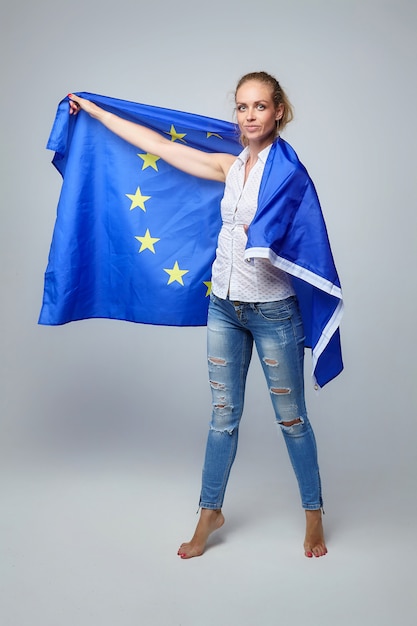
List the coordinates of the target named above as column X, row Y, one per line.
column 261, row 107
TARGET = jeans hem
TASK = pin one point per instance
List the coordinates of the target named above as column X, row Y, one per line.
column 312, row 507
column 212, row 507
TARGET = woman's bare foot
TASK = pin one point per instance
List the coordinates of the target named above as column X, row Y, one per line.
column 210, row 520
column 314, row 544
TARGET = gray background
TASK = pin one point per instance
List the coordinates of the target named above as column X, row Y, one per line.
column 103, row 423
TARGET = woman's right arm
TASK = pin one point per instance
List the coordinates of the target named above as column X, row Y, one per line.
column 212, row 166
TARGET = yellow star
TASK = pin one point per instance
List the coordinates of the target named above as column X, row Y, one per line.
column 207, row 283
column 175, row 135
column 149, row 160
column 138, row 200
column 214, row 135
column 176, row 274
column 147, row 242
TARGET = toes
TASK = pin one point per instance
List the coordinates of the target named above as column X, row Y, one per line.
column 316, row 551
column 182, row 550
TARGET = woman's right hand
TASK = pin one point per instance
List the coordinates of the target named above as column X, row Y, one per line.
column 76, row 104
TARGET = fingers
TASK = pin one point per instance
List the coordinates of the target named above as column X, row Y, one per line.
column 74, row 108
column 74, row 104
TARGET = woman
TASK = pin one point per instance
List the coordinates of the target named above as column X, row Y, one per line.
column 250, row 302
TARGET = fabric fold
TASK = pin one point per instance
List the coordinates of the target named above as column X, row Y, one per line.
column 289, row 230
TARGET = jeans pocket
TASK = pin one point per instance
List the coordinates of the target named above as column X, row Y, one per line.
column 277, row 311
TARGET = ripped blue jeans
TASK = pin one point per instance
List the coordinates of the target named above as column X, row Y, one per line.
column 277, row 330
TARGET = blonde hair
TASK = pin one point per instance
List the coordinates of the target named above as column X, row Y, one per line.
column 279, row 97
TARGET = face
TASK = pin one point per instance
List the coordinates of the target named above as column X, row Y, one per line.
column 256, row 113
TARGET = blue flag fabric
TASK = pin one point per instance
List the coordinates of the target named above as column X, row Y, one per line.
column 289, row 230
column 135, row 238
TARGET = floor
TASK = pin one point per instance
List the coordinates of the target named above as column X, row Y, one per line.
column 92, row 539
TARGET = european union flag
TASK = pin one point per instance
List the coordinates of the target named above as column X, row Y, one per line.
column 134, row 237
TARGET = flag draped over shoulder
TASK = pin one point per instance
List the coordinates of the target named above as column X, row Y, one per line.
column 135, row 238
column 289, row 230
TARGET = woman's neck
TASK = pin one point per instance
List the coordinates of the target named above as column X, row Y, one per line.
column 255, row 147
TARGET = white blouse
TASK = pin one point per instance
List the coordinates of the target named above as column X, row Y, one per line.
column 232, row 276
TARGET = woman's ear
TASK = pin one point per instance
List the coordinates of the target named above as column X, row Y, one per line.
column 279, row 112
